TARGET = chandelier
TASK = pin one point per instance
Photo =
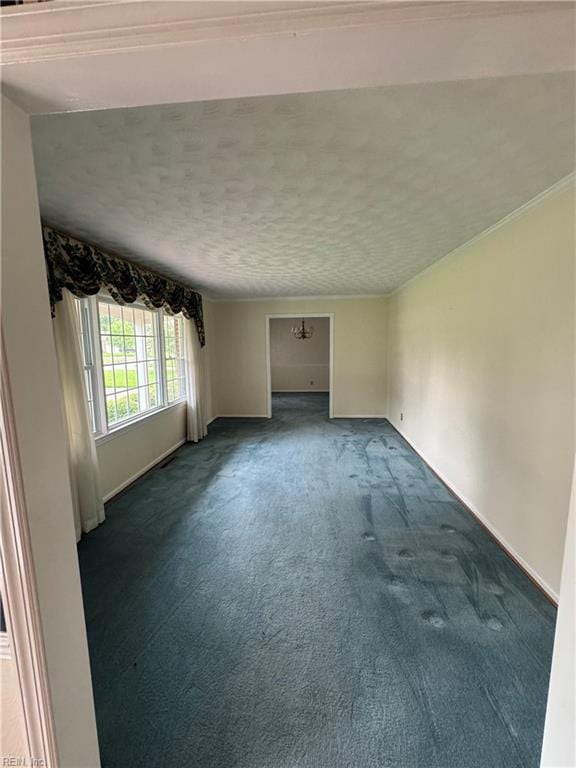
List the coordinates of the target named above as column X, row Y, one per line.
column 301, row 332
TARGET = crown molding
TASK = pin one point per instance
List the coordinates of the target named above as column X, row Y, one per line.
column 556, row 188
column 333, row 297
column 62, row 29
column 75, row 56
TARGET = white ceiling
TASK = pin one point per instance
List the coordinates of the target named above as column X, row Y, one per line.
column 345, row 192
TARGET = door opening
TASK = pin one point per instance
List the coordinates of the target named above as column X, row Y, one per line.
column 299, row 361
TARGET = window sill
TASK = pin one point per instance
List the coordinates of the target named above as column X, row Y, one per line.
column 138, row 421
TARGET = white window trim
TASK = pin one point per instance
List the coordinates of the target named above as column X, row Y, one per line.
column 103, row 432
column 99, row 402
column 163, row 357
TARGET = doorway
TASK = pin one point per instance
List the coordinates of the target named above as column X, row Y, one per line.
column 299, row 357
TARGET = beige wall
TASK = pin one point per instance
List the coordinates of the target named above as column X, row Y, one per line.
column 298, row 365
column 31, row 364
column 481, row 363
column 238, row 354
column 124, row 456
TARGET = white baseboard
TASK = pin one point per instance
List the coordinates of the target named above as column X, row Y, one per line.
column 241, row 416
column 142, row 471
column 265, row 416
column 359, row 416
column 504, row 543
column 298, row 391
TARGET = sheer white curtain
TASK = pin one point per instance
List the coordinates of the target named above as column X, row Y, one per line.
column 82, row 458
column 195, row 374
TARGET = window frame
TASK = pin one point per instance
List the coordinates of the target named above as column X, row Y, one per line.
column 90, row 329
column 181, row 379
column 86, row 319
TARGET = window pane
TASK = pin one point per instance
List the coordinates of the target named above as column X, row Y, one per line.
column 152, row 395
column 115, row 313
column 131, row 376
column 170, row 345
column 129, row 344
column 130, row 347
column 133, row 403
column 174, row 360
column 104, row 318
column 111, row 409
column 139, row 322
column 121, row 406
column 128, row 320
column 117, row 346
column 149, row 325
column 108, row 378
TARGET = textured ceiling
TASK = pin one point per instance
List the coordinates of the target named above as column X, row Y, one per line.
column 346, row 192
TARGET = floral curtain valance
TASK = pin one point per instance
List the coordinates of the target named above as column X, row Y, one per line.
column 84, row 270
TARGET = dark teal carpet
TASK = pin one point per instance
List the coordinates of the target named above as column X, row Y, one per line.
column 304, row 593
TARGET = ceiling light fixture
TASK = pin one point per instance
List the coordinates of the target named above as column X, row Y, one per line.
column 301, row 332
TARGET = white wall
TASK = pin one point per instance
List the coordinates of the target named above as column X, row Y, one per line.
column 238, row 354
column 31, row 363
column 127, row 454
column 559, row 747
column 298, row 365
column 481, row 363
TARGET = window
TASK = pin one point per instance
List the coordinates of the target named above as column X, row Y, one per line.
column 174, row 358
column 130, row 356
column 134, row 363
column 88, row 359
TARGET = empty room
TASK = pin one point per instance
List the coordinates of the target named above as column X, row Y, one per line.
column 287, row 412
